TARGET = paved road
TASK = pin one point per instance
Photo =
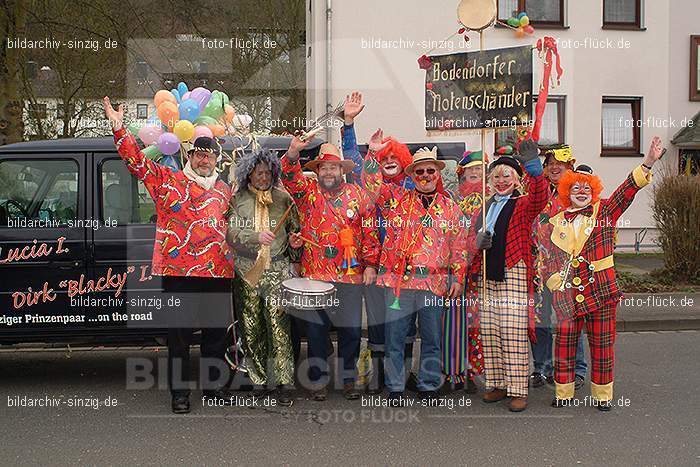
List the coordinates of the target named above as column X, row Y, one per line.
column 657, row 374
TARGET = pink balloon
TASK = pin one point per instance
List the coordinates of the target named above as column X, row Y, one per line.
column 149, row 134
column 202, row 131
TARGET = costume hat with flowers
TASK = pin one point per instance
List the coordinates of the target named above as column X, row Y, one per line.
column 561, row 152
column 424, row 155
column 470, row 159
column 329, row 153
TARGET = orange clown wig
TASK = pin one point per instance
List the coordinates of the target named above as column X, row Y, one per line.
column 400, row 150
column 570, row 178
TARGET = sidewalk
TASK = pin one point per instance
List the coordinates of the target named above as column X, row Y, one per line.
column 659, row 312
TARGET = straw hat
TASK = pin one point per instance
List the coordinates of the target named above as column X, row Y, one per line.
column 424, row 155
column 330, row 153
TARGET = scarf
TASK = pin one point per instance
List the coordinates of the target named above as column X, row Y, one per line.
column 494, row 210
column 496, row 255
column 263, row 199
column 205, row 182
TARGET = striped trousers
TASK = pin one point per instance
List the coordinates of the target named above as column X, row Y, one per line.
column 504, row 317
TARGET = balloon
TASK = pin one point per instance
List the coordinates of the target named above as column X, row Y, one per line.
column 186, row 96
column 214, row 109
column 522, row 13
column 150, row 134
column 529, row 29
column 152, row 152
column 135, row 127
column 519, row 32
column 229, row 112
column 205, row 120
column 513, row 22
column 181, row 88
column 168, row 143
column 171, row 161
column 184, row 130
column 201, row 96
column 524, row 21
column 200, row 131
column 167, row 112
column 242, row 120
column 175, row 93
column 217, row 130
column 189, row 109
column 163, row 96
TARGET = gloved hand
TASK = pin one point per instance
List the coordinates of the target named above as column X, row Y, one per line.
column 484, row 240
column 529, row 157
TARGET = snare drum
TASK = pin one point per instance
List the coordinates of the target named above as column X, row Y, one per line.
column 307, row 294
column 477, row 15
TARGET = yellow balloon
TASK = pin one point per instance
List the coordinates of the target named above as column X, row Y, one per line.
column 524, row 21
column 184, row 130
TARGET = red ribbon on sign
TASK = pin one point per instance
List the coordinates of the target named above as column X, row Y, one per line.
column 547, row 48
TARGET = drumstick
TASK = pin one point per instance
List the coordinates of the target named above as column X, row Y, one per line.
column 309, row 241
column 280, row 223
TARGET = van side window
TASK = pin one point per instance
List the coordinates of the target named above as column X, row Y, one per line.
column 124, row 199
column 38, row 189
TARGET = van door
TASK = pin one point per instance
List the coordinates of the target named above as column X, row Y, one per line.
column 43, row 254
column 123, row 245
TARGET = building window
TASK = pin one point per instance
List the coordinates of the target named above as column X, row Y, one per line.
column 141, row 111
column 695, row 68
column 37, row 111
column 620, row 123
column 542, row 13
column 622, row 14
column 553, row 129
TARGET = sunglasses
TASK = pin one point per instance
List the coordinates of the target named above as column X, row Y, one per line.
column 422, row 171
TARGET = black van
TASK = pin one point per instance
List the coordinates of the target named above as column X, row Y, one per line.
column 76, row 241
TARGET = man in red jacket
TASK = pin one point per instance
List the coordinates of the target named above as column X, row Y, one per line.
column 191, row 254
column 341, row 247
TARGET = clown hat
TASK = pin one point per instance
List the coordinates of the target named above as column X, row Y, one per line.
column 510, row 161
column 424, row 155
column 330, row 153
column 471, row 159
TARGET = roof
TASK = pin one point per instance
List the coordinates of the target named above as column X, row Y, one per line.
column 689, row 136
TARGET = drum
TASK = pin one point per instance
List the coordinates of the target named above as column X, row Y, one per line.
column 308, row 294
column 477, row 15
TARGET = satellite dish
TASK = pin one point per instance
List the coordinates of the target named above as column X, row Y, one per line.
column 477, row 15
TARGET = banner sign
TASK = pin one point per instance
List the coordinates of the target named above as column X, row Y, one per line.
column 486, row 89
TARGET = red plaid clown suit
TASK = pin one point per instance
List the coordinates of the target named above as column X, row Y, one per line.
column 581, row 276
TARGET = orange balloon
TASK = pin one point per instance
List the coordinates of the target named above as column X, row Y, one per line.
column 163, row 96
column 167, row 113
column 217, row 130
column 229, row 112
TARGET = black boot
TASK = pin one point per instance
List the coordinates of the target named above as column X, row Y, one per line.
column 376, row 381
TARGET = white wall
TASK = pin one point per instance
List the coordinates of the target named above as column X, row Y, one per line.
column 653, row 66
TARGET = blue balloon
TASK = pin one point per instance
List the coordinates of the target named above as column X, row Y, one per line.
column 522, row 13
column 189, row 110
column 175, row 93
column 182, row 88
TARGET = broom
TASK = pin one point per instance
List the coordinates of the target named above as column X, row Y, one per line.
column 255, row 273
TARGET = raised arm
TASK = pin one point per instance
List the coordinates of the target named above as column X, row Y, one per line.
column 149, row 172
column 537, row 198
column 293, row 179
column 353, row 107
column 622, row 197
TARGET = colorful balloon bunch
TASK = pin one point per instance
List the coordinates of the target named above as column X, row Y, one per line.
column 521, row 24
column 183, row 116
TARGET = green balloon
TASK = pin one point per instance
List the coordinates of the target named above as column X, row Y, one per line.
column 152, row 152
column 214, row 109
column 134, row 127
column 205, row 120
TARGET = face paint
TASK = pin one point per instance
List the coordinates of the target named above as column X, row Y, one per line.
column 580, row 195
column 390, row 165
column 426, row 182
